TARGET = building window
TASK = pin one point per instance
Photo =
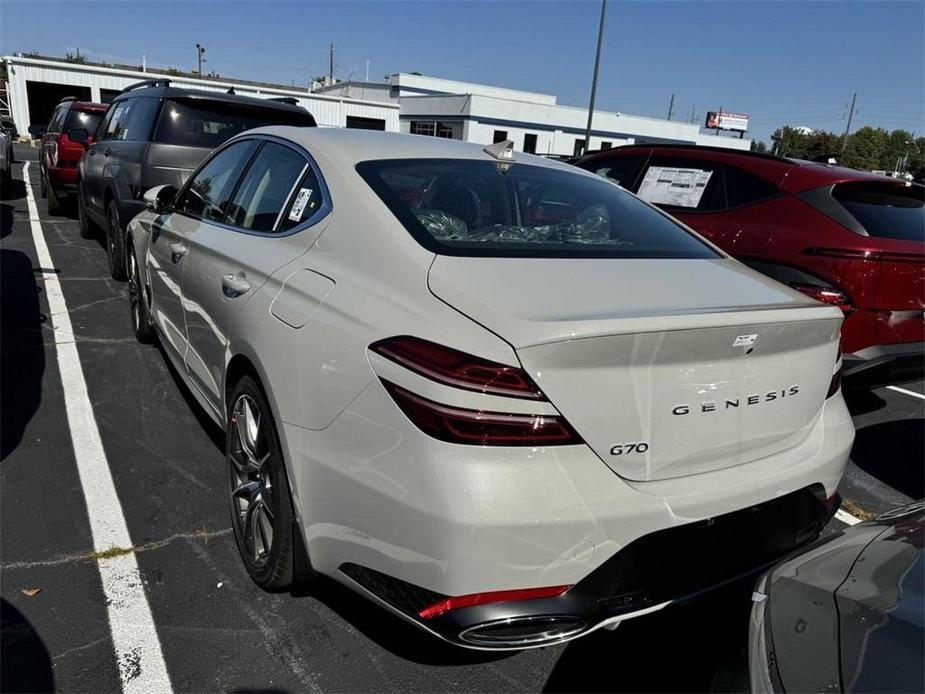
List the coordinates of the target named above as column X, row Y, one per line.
column 500, row 136
column 423, row 127
column 606, row 145
column 447, row 129
column 579, row 147
column 530, row 143
column 362, row 123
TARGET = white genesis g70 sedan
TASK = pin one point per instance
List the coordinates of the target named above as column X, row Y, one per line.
column 499, row 396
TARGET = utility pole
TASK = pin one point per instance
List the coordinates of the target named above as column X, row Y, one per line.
column 144, row 63
column 670, row 107
column 719, row 114
column 597, row 63
column 200, row 50
column 844, row 140
column 331, row 65
column 693, row 113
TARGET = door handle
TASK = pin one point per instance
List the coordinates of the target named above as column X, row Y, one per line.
column 234, row 285
column 177, row 251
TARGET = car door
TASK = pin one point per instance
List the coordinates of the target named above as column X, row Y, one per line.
column 690, row 189
column 278, row 197
column 94, row 161
column 201, row 201
column 50, row 137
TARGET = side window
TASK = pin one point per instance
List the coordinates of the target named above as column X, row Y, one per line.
column 102, row 131
column 136, row 120
column 622, row 170
column 114, row 121
column 57, row 119
column 266, row 187
column 683, row 185
column 304, row 202
column 208, row 192
column 743, row 188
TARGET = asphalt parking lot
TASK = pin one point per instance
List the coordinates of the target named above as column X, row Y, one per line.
column 217, row 630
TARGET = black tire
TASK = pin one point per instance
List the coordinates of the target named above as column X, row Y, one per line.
column 87, row 228
column 142, row 327
column 258, row 491
column 115, row 242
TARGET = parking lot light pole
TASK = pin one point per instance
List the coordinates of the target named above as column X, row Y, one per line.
column 597, row 62
column 199, row 51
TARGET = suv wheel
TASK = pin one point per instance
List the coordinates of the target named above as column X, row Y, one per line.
column 115, row 242
column 261, row 504
column 83, row 220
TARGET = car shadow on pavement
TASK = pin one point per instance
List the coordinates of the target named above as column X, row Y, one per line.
column 22, row 353
column 862, row 401
column 25, row 665
column 679, row 649
column 16, row 190
column 390, row 632
column 892, row 452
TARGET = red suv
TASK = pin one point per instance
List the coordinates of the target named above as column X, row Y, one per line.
column 59, row 154
column 842, row 236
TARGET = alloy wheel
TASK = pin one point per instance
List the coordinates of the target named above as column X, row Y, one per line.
column 252, row 486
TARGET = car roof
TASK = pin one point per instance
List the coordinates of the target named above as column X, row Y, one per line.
column 792, row 175
column 84, row 105
column 349, row 145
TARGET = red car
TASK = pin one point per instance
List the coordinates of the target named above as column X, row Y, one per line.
column 59, row 155
column 844, row 237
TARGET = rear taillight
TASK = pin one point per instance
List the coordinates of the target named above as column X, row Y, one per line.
column 458, row 369
column 827, row 295
column 53, row 154
column 462, row 601
column 481, row 428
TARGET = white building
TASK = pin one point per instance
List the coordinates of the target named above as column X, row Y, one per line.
column 535, row 122
column 408, row 103
column 36, row 85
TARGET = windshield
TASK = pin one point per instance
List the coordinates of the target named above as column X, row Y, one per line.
column 464, row 207
column 209, row 124
column 885, row 210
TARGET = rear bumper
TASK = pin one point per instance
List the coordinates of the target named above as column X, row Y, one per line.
column 64, row 179
column 646, row 575
column 883, row 364
column 447, row 520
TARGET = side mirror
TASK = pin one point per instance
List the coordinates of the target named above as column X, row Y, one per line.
column 79, row 135
column 36, row 130
column 160, row 199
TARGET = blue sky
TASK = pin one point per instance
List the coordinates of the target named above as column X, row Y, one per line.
column 780, row 62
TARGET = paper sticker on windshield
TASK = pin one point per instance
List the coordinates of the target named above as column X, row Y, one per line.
column 298, row 207
column 670, row 185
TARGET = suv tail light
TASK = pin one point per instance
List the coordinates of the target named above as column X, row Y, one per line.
column 827, row 295
column 479, row 428
column 53, row 154
column 458, row 369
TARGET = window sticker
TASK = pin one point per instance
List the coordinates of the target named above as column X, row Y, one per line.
column 670, row 185
column 298, row 207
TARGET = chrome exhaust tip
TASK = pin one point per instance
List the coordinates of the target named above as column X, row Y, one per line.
column 523, row 631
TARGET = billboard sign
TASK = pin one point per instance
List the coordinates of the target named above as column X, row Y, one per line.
column 720, row 120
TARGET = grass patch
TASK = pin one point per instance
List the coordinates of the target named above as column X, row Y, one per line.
column 110, row 553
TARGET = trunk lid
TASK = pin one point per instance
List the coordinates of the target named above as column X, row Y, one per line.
column 658, row 353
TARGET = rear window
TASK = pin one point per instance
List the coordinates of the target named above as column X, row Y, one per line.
column 477, row 208
column 83, row 119
column 209, row 124
column 885, row 210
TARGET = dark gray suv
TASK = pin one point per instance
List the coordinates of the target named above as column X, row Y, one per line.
column 155, row 133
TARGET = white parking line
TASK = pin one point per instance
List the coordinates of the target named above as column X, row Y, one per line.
column 846, row 517
column 137, row 647
column 906, row 392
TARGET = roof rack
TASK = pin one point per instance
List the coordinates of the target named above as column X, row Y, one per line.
column 291, row 100
column 146, row 83
column 68, row 98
